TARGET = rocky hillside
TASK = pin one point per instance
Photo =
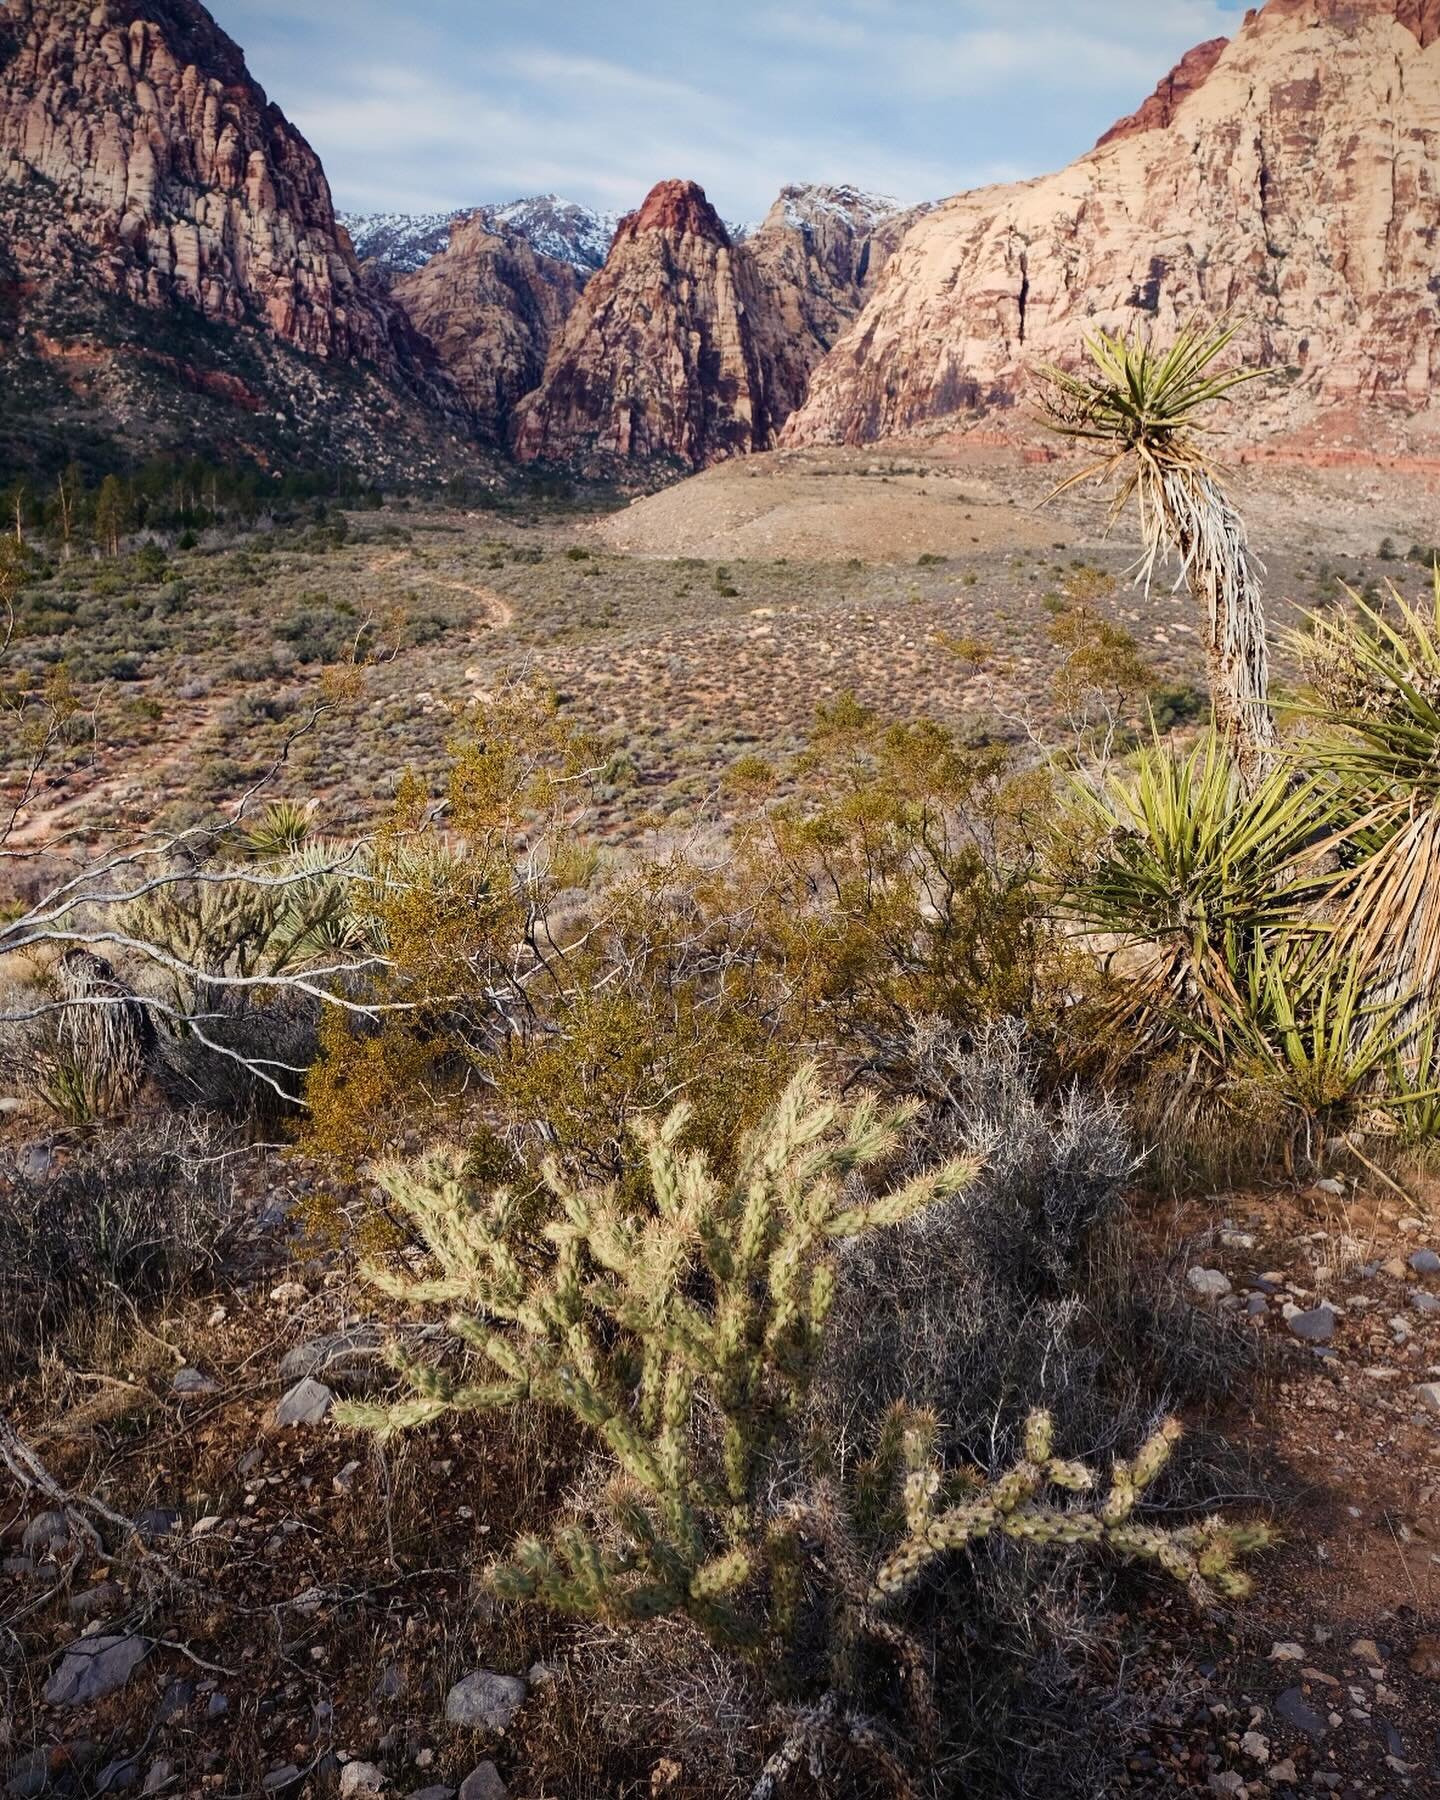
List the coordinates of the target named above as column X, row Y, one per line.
column 172, row 268
column 806, row 271
column 688, row 347
column 491, row 306
column 398, row 243
column 657, row 360
column 1291, row 174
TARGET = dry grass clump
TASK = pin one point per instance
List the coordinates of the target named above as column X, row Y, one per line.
column 127, row 1218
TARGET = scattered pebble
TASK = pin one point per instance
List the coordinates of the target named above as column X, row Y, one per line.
column 307, row 1403
column 485, row 1701
column 483, row 1783
column 1315, row 1327
column 360, row 1778
column 1209, row 1284
column 93, row 1667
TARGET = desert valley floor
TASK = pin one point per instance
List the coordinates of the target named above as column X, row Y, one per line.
column 688, row 628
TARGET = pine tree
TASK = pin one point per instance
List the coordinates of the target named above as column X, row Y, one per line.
column 112, row 515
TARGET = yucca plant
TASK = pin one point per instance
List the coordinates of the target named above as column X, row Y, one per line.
column 1306, row 1032
column 1192, row 869
column 1146, row 409
column 1379, row 744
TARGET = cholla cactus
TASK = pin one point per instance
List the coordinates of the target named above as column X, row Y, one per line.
column 715, row 1295
column 1203, row 1556
column 686, row 1334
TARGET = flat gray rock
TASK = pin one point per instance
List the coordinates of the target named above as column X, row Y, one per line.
column 94, row 1667
column 361, row 1778
column 1209, row 1284
column 307, row 1403
column 46, row 1531
column 1296, row 1710
column 484, row 1783
column 1425, row 1262
column 1429, row 1395
column 1429, row 1304
column 1315, row 1327
column 192, row 1381
column 485, row 1701
column 328, row 1355
column 108, row 1596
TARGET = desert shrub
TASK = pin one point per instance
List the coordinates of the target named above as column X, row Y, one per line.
column 684, row 1329
column 132, row 1215
column 562, row 991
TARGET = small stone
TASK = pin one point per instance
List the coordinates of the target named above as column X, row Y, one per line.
column 360, row 1778
column 34, row 1161
column 1366, row 1650
column 1256, row 1306
column 283, row 1777
column 158, row 1775
column 1315, row 1327
column 433, row 1793
column 108, row 1596
column 174, row 1700
column 339, row 1350
column 485, row 1701
column 156, row 1524
column 1429, row 1395
column 1429, row 1304
column 289, row 1293
column 307, row 1403
column 93, row 1667
column 343, row 1481
column 483, row 1783
column 29, row 1777
column 1425, row 1262
column 1238, row 1240
column 1296, row 1710
column 1283, row 1773
column 1256, row 1746
column 217, row 1706
column 1424, row 1659
column 192, row 1381
column 46, row 1531
column 1394, row 1267
column 1328, row 1184
column 118, row 1777
column 1209, row 1284
column 1228, row 1783
column 1287, row 1652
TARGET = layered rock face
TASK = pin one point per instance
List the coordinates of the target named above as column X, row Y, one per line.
column 689, row 347
column 1292, row 176
column 805, row 272
column 657, row 360
column 175, row 177
column 491, row 306
column 142, row 168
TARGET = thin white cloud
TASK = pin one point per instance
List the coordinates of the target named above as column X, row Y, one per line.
column 920, row 98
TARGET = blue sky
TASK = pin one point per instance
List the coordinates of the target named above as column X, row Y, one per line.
column 444, row 103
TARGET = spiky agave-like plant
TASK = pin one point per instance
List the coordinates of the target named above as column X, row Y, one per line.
column 1146, row 408
column 1378, row 672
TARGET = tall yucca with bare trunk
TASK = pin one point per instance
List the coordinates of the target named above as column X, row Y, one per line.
column 1146, row 408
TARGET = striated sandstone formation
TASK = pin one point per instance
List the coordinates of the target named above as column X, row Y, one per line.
column 149, row 194
column 1297, row 182
column 805, row 272
column 688, row 347
column 491, row 306
column 657, row 360
column 1188, row 76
